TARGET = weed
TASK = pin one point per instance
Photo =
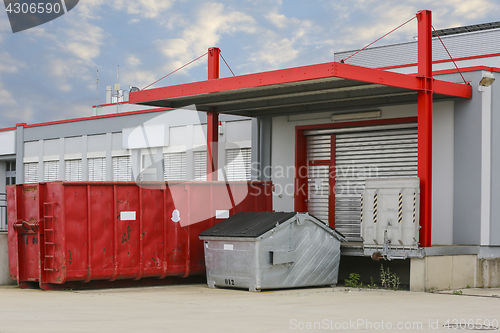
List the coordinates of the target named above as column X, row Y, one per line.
column 389, row 280
column 458, row 292
column 354, row 281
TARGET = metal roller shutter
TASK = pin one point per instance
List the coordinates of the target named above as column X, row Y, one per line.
column 377, row 154
column 388, row 152
column 50, row 171
column 238, row 164
column 318, row 149
column 73, row 170
column 122, row 169
column 31, row 172
column 175, row 166
column 200, row 165
column 97, row 169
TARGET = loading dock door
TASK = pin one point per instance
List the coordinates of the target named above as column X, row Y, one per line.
column 356, row 154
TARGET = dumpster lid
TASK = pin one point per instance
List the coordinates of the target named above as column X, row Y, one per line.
column 247, row 224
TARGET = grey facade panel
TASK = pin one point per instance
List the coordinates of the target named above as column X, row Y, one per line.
column 467, row 178
column 96, row 142
column 117, row 141
column 31, row 149
column 93, row 126
column 495, row 165
column 73, row 145
column 51, row 147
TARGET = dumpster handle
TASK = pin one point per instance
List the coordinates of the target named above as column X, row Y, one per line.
column 23, row 225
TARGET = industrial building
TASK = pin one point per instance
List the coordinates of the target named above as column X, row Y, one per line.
column 318, row 132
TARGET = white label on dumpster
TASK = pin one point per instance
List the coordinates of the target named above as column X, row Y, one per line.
column 127, row 216
column 222, row 214
column 228, row 247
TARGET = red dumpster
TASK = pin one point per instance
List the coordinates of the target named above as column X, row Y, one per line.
column 87, row 231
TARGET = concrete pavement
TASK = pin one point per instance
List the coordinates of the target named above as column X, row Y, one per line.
column 195, row 308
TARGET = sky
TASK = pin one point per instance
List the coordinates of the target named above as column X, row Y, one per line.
column 49, row 72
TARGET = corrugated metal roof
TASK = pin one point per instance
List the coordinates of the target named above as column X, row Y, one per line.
column 467, row 28
column 462, row 45
column 248, row 225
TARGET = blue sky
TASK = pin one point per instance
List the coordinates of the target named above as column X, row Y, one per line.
column 49, row 72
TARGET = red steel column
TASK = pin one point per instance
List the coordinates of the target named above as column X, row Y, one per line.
column 425, row 124
column 212, row 119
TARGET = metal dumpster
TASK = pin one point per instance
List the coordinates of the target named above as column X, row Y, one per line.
column 85, row 231
column 266, row 250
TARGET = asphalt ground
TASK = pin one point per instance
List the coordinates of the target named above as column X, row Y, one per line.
column 196, row 308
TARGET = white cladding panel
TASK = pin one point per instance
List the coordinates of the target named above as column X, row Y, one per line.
column 73, row 170
column 175, row 166
column 97, row 169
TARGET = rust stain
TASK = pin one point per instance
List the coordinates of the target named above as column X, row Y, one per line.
column 70, row 261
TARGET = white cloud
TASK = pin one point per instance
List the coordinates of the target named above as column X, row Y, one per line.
column 144, row 8
column 8, row 64
column 139, row 78
column 133, row 60
column 275, row 53
column 133, row 21
column 212, row 20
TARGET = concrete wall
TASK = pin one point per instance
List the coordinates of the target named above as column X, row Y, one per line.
column 467, row 177
column 495, row 163
column 442, row 173
column 4, row 260
column 443, row 272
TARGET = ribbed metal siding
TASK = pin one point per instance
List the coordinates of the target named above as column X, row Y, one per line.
column 73, row 170
column 462, row 45
column 200, row 165
column 97, row 169
column 388, row 153
column 175, row 166
column 122, row 169
column 50, row 171
column 31, row 172
column 238, row 165
column 318, row 149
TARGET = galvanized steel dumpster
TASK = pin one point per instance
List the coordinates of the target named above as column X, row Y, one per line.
column 266, row 250
column 85, row 231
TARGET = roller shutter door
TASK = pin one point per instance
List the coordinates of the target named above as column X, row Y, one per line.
column 238, row 164
column 73, row 170
column 200, row 165
column 31, row 172
column 97, row 169
column 122, row 169
column 318, row 155
column 388, row 152
column 50, row 171
column 175, row 166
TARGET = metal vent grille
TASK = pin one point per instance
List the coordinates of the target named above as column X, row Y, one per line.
column 97, row 169
column 50, row 171
column 200, row 165
column 175, row 166
column 31, row 172
column 238, row 164
column 73, row 170
column 122, row 169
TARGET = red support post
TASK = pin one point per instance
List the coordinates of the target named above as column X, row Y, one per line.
column 425, row 125
column 212, row 119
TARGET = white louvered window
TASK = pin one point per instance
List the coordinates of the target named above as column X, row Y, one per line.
column 50, row 171
column 97, row 169
column 200, row 165
column 73, row 170
column 238, row 162
column 122, row 169
column 31, row 172
column 175, row 166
